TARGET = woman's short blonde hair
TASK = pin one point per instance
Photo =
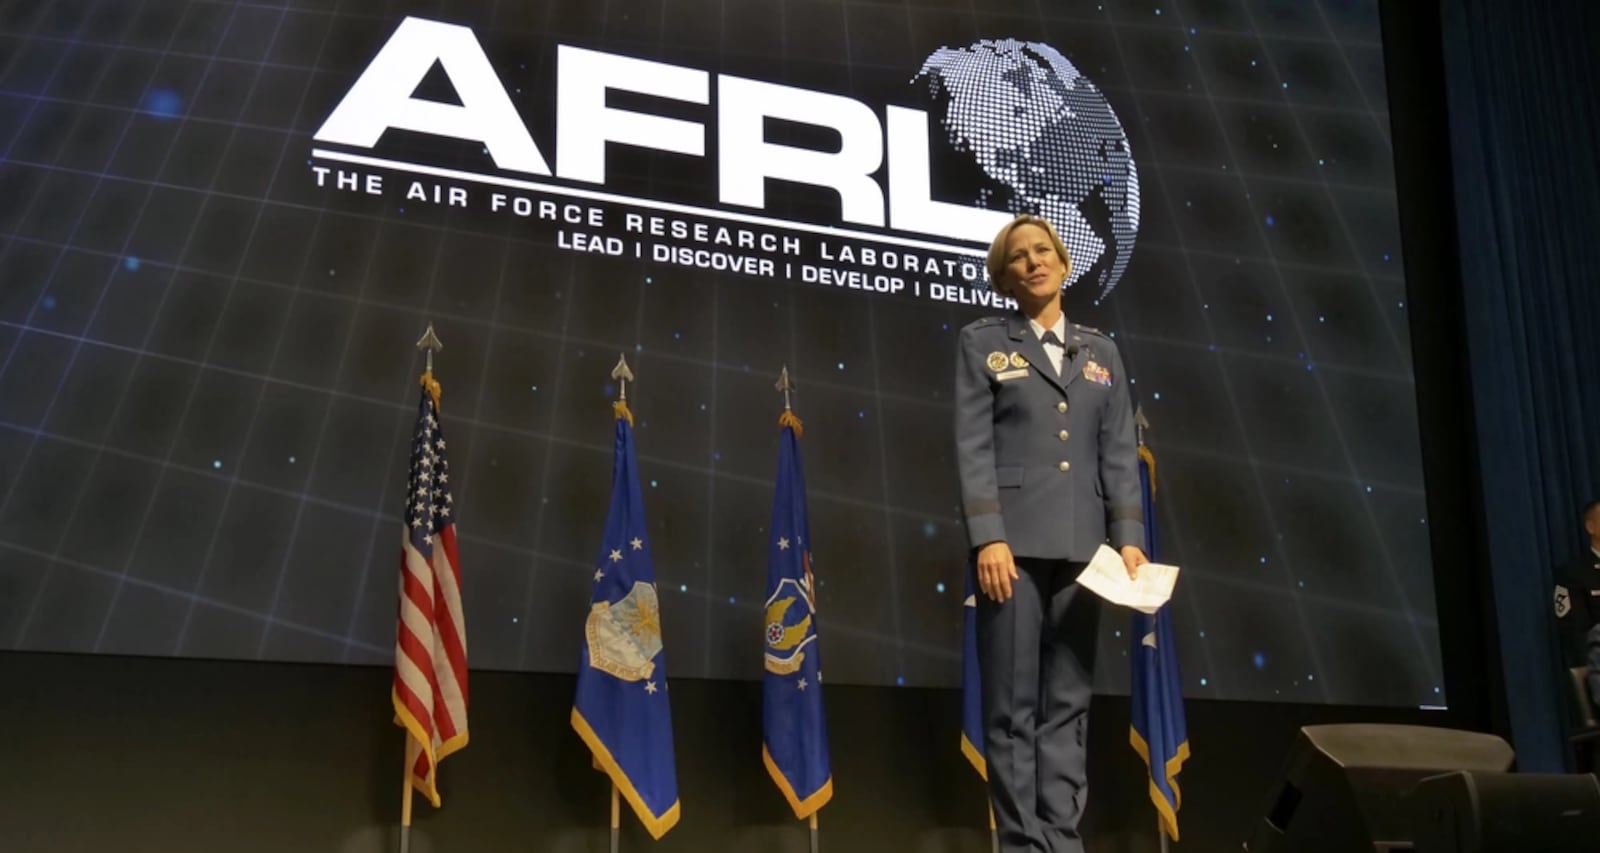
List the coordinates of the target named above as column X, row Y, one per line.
column 997, row 249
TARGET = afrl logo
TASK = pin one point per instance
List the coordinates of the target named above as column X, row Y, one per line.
column 1044, row 136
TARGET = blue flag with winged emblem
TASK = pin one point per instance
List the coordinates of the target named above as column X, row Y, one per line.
column 621, row 710
column 971, row 687
column 1158, row 730
column 794, row 728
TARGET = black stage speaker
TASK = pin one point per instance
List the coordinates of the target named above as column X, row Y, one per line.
column 1345, row 786
column 1506, row 813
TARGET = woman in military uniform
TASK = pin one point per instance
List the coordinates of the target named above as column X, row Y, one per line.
column 1049, row 472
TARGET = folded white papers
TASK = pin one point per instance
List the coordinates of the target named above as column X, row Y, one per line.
column 1107, row 576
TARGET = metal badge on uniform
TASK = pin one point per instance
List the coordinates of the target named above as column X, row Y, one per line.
column 1563, row 601
column 1093, row 372
column 998, row 362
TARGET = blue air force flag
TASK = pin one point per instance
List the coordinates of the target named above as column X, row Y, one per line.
column 621, row 710
column 1158, row 732
column 794, row 728
column 971, row 687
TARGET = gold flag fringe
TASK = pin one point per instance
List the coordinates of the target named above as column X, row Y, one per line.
column 789, row 419
column 1150, row 460
column 431, row 385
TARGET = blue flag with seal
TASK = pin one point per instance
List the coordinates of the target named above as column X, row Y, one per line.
column 971, row 687
column 794, row 730
column 1158, row 730
column 621, row 710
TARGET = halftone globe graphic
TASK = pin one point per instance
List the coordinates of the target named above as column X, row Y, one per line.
column 1050, row 143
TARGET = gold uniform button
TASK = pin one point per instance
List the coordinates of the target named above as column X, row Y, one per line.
column 1062, row 407
column 1065, row 466
column 1062, row 435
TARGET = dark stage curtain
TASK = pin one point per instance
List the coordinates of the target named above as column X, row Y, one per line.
column 1523, row 81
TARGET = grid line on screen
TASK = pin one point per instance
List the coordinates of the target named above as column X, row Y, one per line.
column 183, row 416
column 39, row 193
column 77, row 347
column 379, row 517
column 1173, row 525
column 277, row 348
column 1327, row 685
column 465, row 478
column 1379, row 117
column 55, row 71
column 90, row 569
column 1327, row 187
column 1422, row 647
column 892, row 549
column 401, row 430
column 549, row 454
column 568, row 290
column 402, row 407
column 708, row 621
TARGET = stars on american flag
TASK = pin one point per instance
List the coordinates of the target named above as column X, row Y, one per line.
column 637, row 543
column 429, row 508
column 616, row 555
column 650, row 687
column 783, row 543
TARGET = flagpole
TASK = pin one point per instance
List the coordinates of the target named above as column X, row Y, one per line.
column 1140, row 424
column 428, row 343
column 814, row 831
column 405, row 794
column 622, row 374
column 616, row 817
column 994, row 834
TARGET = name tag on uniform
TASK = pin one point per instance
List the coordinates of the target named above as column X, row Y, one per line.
column 1011, row 374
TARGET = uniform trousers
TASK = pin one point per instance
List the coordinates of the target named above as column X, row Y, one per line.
column 1036, row 663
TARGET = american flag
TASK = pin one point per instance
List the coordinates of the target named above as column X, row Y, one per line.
column 430, row 655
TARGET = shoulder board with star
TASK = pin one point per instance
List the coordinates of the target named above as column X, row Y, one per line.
column 1105, row 339
column 984, row 322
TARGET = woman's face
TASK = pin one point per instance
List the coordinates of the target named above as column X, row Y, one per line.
column 1034, row 268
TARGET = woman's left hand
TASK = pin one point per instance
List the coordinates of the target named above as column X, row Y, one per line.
column 1133, row 557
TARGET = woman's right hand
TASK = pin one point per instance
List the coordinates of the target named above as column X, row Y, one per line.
column 996, row 571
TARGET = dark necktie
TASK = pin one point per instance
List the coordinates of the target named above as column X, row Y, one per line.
column 1050, row 338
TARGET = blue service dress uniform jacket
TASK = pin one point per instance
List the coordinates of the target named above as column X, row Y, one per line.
column 1577, row 604
column 1048, row 464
